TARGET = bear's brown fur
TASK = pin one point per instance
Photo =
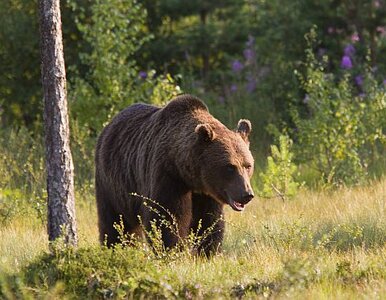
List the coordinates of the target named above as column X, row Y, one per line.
column 179, row 156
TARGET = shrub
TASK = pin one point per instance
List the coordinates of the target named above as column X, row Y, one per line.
column 278, row 179
column 342, row 133
column 122, row 272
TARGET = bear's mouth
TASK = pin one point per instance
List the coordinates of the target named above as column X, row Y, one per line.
column 237, row 206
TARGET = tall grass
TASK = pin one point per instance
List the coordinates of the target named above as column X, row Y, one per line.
column 318, row 245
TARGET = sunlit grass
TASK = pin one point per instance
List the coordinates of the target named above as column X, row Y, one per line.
column 319, row 245
column 20, row 242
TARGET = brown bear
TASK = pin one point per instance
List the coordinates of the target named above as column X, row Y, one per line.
column 181, row 157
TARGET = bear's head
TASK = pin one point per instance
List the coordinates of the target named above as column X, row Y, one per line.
column 226, row 164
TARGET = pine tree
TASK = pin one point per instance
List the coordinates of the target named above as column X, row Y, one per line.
column 60, row 181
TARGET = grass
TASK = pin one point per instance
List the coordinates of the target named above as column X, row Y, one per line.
column 319, row 245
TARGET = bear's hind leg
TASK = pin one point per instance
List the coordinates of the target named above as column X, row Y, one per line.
column 111, row 233
column 106, row 217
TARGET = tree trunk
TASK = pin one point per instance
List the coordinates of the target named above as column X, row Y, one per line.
column 60, row 181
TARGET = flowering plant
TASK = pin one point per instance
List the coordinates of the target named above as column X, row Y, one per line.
column 343, row 132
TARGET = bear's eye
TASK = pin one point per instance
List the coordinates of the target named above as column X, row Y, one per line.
column 231, row 168
column 248, row 167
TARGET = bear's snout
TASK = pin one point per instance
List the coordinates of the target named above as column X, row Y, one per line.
column 238, row 202
column 248, row 196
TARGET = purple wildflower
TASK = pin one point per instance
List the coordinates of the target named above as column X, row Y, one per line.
column 142, row 74
column 346, row 62
column 349, row 50
column 359, row 80
column 249, row 54
column 384, row 81
column 233, row 88
column 221, row 100
column 251, row 84
column 237, row 66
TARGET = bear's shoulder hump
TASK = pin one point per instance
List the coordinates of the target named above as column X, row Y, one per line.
column 184, row 103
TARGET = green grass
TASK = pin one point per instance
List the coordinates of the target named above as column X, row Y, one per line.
column 319, row 245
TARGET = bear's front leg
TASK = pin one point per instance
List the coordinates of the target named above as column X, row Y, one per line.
column 170, row 209
column 208, row 223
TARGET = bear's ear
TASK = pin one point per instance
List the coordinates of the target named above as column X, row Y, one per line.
column 244, row 128
column 205, row 132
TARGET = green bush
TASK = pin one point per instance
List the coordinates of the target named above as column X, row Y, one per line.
column 99, row 272
column 278, row 178
column 342, row 133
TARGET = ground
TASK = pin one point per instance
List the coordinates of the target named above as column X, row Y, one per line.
column 319, row 245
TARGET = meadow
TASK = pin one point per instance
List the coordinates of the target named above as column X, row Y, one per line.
column 318, row 245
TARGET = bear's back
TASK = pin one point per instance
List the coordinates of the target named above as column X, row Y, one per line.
column 121, row 133
column 138, row 112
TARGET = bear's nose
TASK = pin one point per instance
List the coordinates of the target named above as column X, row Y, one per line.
column 248, row 196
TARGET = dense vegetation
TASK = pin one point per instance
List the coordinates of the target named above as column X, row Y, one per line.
column 311, row 77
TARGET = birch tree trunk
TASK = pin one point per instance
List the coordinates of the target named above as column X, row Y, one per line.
column 60, row 177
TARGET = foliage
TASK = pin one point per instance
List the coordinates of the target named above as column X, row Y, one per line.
column 10, row 204
column 196, row 40
column 157, row 89
column 343, row 132
column 192, row 36
column 88, row 272
column 278, row 179
column 114, row 34
column 20, row 91
column 240, row 95
column 22, row 168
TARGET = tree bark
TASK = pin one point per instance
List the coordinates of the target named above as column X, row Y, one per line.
column 60, row 177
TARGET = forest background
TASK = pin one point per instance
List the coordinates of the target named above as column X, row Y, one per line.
column 246, row 59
